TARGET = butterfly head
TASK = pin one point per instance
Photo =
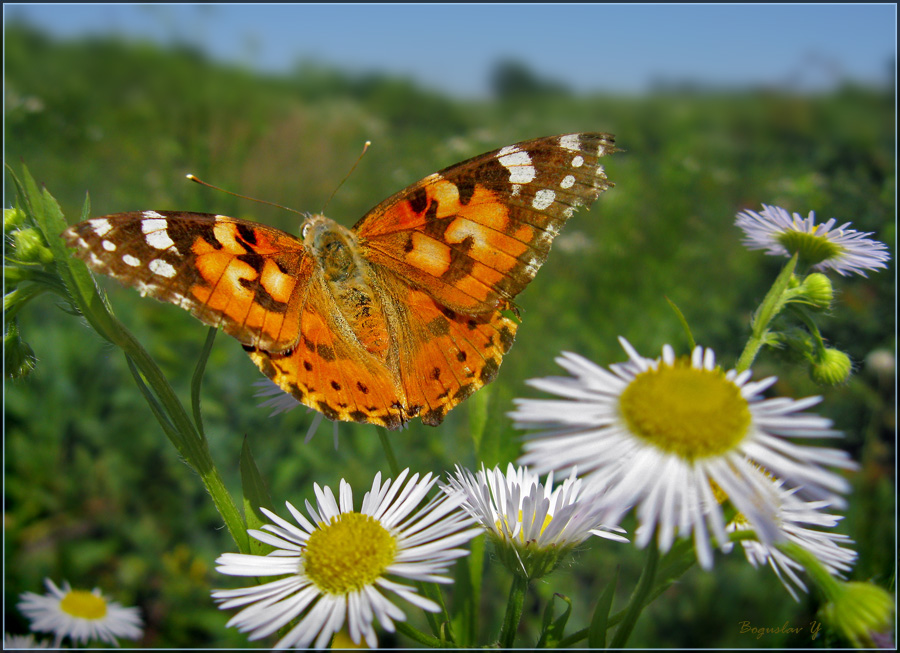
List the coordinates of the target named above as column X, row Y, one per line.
column 330, row 244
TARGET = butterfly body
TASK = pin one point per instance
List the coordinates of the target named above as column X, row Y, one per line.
column 401, row 316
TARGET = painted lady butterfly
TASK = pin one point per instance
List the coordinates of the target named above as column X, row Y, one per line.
column 401, row 316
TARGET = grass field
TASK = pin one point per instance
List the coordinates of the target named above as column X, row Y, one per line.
column 95, row 494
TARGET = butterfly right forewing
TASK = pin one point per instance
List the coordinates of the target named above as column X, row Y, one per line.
column 475, row 234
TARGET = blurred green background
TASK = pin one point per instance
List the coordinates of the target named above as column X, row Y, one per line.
column 95, row 494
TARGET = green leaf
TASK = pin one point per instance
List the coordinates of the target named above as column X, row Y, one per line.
column 49, row 219
column 256, row 495
column 197, row 379
column 684, row 324
column 552, row 630
column 600, row 621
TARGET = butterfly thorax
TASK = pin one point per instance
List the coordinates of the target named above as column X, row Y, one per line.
column 350, row 280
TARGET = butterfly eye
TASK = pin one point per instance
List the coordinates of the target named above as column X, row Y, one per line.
column 304, row 230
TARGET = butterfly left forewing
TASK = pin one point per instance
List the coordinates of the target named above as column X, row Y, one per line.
column 245, row 277
column 476, row 233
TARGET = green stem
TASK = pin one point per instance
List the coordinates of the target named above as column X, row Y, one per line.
column 15, row 300
column 513, row 611
column 419, row 636
column 771, row 305
column 82, row 292
column 189, row 442
column 429, row 590
column 811, row 326
column 579, row 635
column 830, row 587
column 388, row 450
column 639, row 598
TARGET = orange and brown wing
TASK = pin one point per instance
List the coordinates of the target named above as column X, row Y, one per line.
column 330, row 371
column 476, row 233
column 247, row 278
column 446, row 356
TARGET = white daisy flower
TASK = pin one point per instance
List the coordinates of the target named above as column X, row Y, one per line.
column 80, row 615
column 656, row 433
column 796, row 517
column 532, row 524
column 843, row 250
column 337, row 566
column 13, row 642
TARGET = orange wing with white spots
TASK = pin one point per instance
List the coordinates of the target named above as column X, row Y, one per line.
column 476, row 233
column 247, row 278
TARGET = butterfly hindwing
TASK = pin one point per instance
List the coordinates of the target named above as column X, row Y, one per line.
column 330, row 371
column 448, row 355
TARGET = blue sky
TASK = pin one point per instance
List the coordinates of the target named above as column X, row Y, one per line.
column 619, row 48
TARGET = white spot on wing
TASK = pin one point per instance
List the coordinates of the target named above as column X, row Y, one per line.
column 128, row 259
column 153, row 215
column 155, row 230
column 144, row 288
column 578, row 161
column 543, row 198
column 180, row 300
column 162, row 268
column 567, row 182
column 533, row 266
column 518, row 163
column 570, row 142
column 109, row 246
column 101, row 226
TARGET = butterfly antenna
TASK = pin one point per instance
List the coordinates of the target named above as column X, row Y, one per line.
column 358, row 159
column 197, row 180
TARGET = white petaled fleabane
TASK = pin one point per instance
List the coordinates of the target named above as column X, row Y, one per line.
column 339, row 566
column 533, row 525
column 824, row 247
column 799, row 521
column 80, row 615
column 657, row 434
column 13, row 642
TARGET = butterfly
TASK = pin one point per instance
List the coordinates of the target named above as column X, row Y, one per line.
column 405, row 315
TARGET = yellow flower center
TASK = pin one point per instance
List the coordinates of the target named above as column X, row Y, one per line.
column 812, row 249
column 504, row 521
column 83, row 605
column 692, row 413
column 349, row 553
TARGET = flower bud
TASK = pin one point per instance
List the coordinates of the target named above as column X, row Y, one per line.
column 18, row 356
column 30, row 247
column 12, row 219
column 832, row 367
column 861, row 612
column 817, row 289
